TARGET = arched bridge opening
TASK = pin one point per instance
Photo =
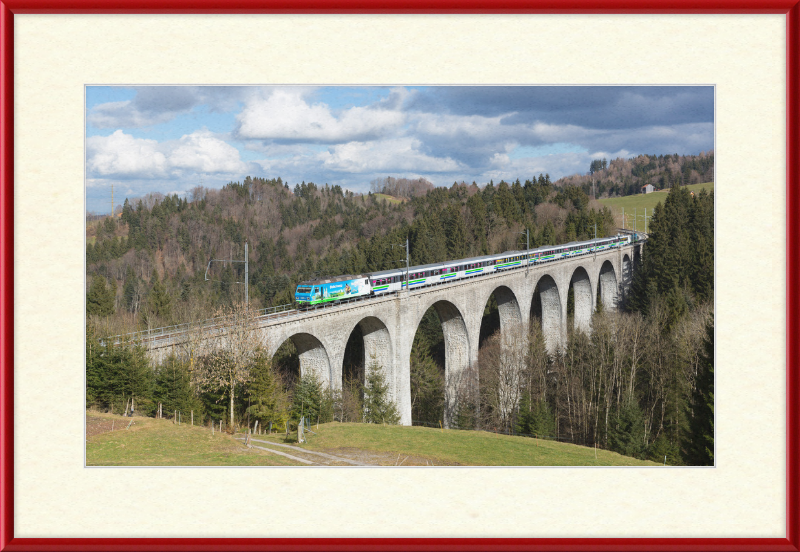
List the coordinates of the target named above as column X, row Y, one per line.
column 581, row 299
column 369, row 347
column 607, row 287
column 300, row 355
column 546, row 311
column 434, row 392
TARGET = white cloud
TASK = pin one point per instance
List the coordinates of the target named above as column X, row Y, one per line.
column 400, row 154
column 123, row 155
column 202, row 152
column 285, row 115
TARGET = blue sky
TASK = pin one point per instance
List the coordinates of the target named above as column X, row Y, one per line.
column 170, row 139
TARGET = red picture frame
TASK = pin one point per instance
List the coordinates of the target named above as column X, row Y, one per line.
column 790, row 8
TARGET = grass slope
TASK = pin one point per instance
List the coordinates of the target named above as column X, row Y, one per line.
column 636, row 204
column 151, row 442
column 454, row 447
column 391, row 199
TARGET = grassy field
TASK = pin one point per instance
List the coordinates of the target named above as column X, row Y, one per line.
column 636, row 204
column 428, row 446
column 390, row 199
column 151, row 442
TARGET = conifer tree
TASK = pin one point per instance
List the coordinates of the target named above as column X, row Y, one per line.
column 158, row 302
column 99, row 299
column 308, row 397
column 456, row 234
column 626, row 434
column 699, row 442
column 267, row 397
column 174, row 389
column 379, row 408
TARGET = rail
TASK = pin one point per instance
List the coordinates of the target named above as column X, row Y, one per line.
column 169, row 333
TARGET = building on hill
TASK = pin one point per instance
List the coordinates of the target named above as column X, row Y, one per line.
column 648, row 189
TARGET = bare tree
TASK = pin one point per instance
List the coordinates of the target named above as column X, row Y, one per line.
column 503, row 364
column 232, row 342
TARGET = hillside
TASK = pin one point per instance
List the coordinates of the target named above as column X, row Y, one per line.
column 634, row 205
column 149, row 268
column 625, row 177
column 152, row 442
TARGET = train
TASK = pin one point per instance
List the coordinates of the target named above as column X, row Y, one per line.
column 350, row 286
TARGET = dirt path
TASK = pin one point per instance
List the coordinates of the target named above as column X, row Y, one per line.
column 314, row 453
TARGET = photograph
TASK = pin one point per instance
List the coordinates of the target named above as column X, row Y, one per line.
column 403, row 275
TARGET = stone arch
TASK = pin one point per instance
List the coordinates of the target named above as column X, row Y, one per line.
column 456, row 352
column 582, row 289
column 377, row 346
column 314, row 358
column 507, row 305
column 607, row 284
column 508, row 308
column 627, row 273
column 550, row 311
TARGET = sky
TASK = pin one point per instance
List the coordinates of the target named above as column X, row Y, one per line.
column 170, row 139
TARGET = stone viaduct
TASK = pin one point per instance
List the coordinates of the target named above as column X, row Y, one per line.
column 389, row 323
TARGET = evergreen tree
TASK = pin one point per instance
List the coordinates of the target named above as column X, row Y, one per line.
column 308, row 398
column 116, row 373
column 456, row 234
column 699, row 442
column 626, row 434
column 427, row 387
column 267, row 397
column 535, row 419
column 99, row 299
column 159, row 302
column 174, row 390
column 379, row 408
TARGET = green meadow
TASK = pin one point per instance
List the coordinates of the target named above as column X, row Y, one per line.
column 634, row 206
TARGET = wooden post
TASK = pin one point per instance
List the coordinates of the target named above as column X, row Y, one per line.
column 220, row 426
column 175, row 417
column 179, row 418
column 192, row 417
column 255, row 429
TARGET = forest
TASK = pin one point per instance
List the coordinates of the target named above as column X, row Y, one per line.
column 641, row 383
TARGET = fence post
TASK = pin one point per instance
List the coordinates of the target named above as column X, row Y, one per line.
column 175, row 417
column 192, row 417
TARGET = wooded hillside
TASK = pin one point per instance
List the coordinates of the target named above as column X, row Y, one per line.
column 640, row 384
